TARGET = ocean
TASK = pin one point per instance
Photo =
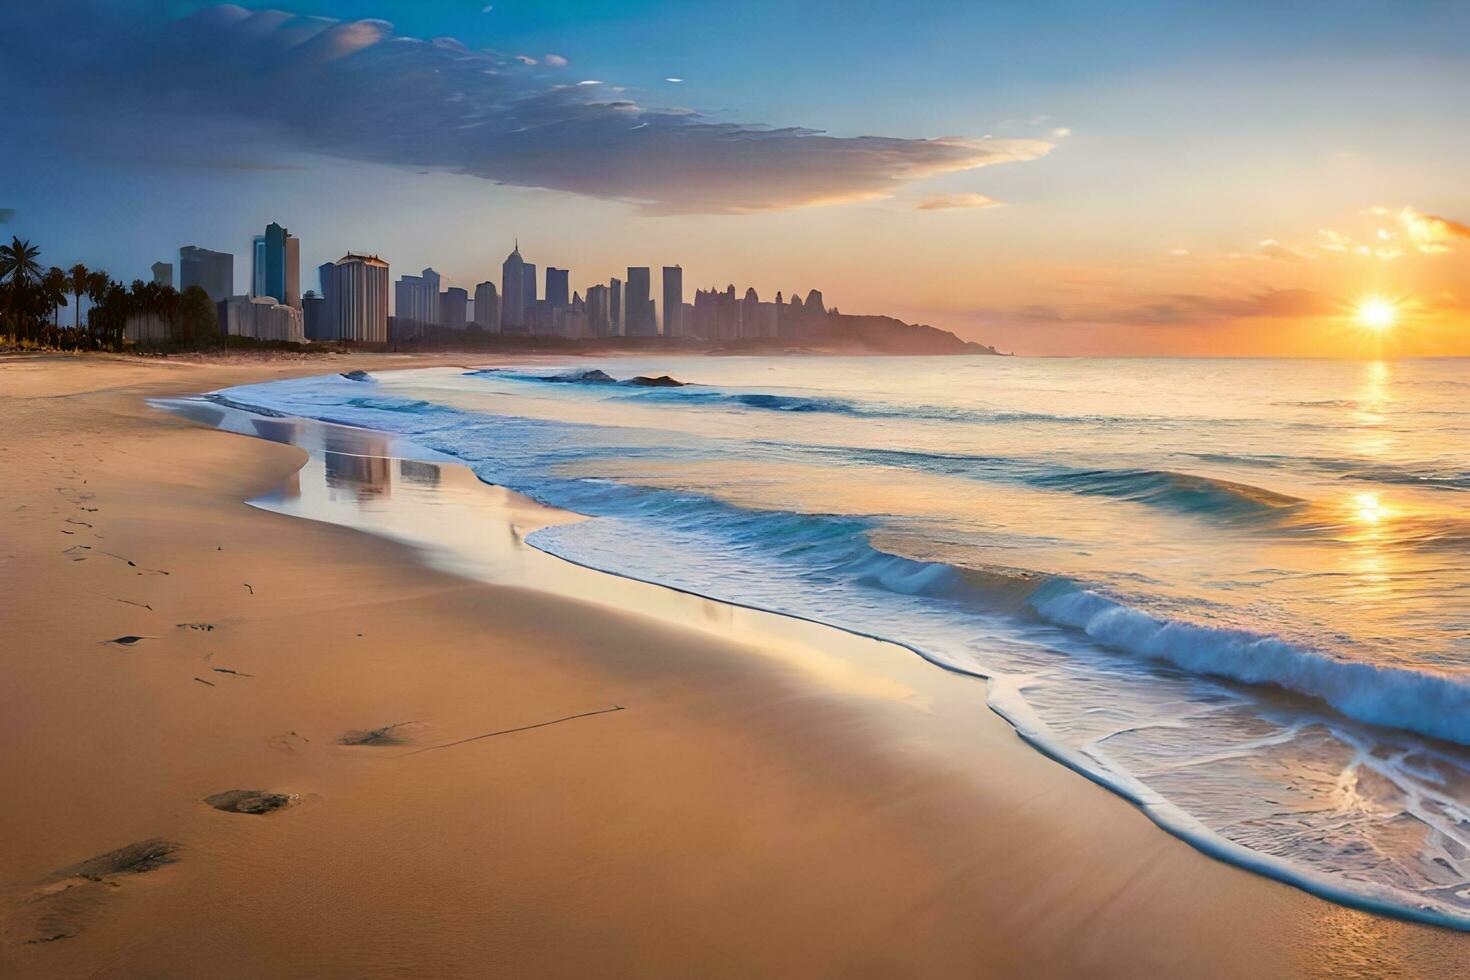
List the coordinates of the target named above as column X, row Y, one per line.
column 1237, row 592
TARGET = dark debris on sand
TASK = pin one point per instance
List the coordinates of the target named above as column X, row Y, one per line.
column 134, row 859
column 70, row 897
column 375, row 736
column 256, row 801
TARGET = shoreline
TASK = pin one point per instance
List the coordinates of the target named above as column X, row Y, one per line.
column 1006, row 702
column 841, row 842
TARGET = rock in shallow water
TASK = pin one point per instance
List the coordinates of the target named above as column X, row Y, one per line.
column 662, row 381
column 592, row 377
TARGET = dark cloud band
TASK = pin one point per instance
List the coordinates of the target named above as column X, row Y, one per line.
column 358, row 90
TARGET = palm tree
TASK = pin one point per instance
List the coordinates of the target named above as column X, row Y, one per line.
column 18, row 265
column 95, row 284
column 55, row 285
column 81, row 283
column 18, row 271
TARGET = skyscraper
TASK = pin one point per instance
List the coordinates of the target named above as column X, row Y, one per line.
column 213, row 272
column 727, row 314
column 325, row 327
column 257, row 266
column 454, row 305
column 358, row 295
column 637, row 301
column 277, row 272
column 599, row 314
column 487, row 307
column 615, row 307
column 416, row 298
column 556, row 288
column 673, row 307
column 513, row 292
column 163, row 274
column 313, row 309
column 293, row 273
column 528, row 273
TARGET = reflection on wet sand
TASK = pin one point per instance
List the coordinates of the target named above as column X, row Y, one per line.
column 461, row 525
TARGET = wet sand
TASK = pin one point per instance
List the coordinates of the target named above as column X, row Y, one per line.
column 325, row 753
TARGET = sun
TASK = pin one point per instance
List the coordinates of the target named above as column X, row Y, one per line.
column 1377, row 314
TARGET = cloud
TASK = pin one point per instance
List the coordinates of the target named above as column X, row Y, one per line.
column 1430, row 232
column 555, row 60
column 1409, row 230
column 941, row 202
column 291, row 84
column 525, row 59
column 676, row 81
column 1272, row 249
column 1190, row 309
column 1061, row 132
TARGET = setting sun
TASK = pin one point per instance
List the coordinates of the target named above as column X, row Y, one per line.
column 1377, row 314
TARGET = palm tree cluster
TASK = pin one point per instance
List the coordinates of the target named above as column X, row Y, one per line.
column 31, row 301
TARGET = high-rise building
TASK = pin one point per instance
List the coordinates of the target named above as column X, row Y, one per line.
column 163, row 274
column 454, row 305
column 673, row 307
column 313, row 307
column 326, row 324
column 487, row 307
column 615, row 307
column 277, row 271
column 213, row 272
column 513, row 292
column 637, row 304
column 293, row 273
column 358, row 296
column 257, row 266
column 556, row 288
column 416, row 298
column 528, row 273
column 702, row 322
column 599, row 314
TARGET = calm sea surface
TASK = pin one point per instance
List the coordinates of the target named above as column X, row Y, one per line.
column 1238, row 592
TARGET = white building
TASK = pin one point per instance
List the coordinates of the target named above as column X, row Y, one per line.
column 357, row 299
column 262, row 318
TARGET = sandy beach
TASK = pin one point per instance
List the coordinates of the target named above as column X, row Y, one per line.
column 746, row 812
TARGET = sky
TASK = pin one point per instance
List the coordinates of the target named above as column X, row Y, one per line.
column 1050, row 177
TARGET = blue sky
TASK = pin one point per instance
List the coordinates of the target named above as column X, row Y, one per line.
column 1094, row 145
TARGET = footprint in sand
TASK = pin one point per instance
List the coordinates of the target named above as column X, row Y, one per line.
column 61, row 906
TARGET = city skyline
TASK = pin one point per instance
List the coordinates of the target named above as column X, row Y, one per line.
column 1065, row 179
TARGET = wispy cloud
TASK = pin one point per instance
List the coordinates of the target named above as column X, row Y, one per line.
column 944, row 202
column 360, row 91
column 1186, row 309
column 1429, row 232
column 1281, row 251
